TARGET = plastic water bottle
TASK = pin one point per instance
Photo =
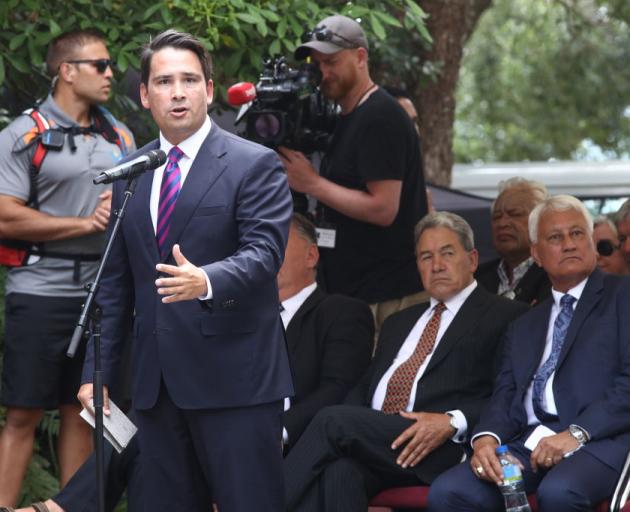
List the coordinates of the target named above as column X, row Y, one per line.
column 513, row 488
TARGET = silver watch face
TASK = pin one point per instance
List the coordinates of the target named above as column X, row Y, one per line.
column 577, row 433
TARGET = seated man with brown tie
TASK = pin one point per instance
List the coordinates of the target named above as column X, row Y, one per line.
column 407, row 419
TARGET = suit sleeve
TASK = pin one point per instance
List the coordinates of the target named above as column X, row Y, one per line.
column 347, row 349
column 496, row 418
column 115, row 297
column 263, row 214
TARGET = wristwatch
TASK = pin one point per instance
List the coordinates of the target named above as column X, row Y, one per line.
column 453, row 423
column 578, row 434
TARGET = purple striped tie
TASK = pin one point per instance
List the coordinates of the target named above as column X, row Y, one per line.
column 169, row 190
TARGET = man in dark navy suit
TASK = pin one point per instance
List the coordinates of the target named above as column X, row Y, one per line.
column 196, row 259
column 405, row 421
column 561, row 401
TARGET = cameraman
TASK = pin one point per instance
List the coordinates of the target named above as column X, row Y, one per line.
column 369, row 190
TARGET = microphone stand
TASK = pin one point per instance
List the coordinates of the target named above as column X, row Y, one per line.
column 93, row 312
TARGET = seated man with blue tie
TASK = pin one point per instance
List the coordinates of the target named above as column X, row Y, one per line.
column 405, row 421
column 561, row 401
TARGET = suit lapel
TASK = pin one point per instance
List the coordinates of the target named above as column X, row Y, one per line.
column 464, row 322
column 535, row 347
column 206, row 168
column 588, row 300
column 295, row 325
column 387, row 353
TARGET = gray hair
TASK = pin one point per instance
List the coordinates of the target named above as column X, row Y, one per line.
column 605, row 219
column 560, row 203
column 538, row 189
column 450, row 221
column 623, row 213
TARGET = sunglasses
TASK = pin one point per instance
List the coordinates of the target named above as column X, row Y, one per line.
column 325, row 34
column 101, row 65
column 606, row 247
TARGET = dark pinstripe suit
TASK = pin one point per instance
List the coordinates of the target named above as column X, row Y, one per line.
column 344, row 456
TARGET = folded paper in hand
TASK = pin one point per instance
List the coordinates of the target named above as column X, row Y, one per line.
column 117, row 428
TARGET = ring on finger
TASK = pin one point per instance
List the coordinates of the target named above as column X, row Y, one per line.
column 479, row 470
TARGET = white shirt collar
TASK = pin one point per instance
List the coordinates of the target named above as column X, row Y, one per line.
column 292, row 304
column 190, row 146
column 455, row 302
column 576, row 292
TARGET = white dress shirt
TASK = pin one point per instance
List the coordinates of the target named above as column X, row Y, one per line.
column 190, row 147
column 409, row 345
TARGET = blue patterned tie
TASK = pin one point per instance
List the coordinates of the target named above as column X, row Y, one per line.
column 560, row 328
column 169, row 190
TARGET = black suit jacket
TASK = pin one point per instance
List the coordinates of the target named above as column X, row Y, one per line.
column 461, row 371
column 330, row 340
column 532, row 289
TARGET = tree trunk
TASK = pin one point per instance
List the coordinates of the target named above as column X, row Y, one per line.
column 450, row 22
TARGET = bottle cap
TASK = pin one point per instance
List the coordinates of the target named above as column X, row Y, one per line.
column 500, row 450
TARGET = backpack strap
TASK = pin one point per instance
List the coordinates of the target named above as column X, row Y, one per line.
column 37, row 160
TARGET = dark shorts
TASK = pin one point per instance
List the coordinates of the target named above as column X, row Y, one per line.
column 36, row 373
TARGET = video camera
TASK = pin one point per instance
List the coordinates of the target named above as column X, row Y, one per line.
column 285, row 108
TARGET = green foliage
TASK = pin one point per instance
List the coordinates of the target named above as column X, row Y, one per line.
column 239, row 33
column 545, row 80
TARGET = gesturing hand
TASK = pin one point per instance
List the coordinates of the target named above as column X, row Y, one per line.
column 187, row 282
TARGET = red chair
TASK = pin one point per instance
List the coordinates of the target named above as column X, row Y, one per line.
column 415, row 498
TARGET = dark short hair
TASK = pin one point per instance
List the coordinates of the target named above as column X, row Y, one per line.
column 180, row 41
column 305, row 227
column 397, row 92
column 449, row 220
column 63, row 48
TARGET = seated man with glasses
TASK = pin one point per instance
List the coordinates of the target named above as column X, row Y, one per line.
column 606, row 238
column 60, row 216
column 515, row 275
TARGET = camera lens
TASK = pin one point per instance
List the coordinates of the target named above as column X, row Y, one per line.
column 267, row 126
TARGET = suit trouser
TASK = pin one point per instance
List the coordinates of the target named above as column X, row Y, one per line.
column 344, row 458
column 191, row 458
column 577, row 483
column 121, row 471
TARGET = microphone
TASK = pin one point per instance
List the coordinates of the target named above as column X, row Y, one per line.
column 241, row 93
column 146, row 162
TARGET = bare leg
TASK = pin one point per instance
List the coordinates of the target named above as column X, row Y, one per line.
column 75, row 441
column 16, row 448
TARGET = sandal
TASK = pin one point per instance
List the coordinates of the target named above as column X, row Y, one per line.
column 40, row 507
column 7, row 509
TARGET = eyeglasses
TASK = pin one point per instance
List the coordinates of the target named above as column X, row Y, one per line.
column 101, row 65
column 606, row 247
column 325, row 34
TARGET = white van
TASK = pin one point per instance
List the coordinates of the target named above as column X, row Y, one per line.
column 603, row 186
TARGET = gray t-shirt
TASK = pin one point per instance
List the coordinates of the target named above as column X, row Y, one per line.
column 65, row 189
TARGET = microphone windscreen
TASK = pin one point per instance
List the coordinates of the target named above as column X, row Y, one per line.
column 156, row 158
column 241, row 93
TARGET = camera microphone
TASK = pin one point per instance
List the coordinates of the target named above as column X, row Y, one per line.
column 150, row 160
column 241, row 93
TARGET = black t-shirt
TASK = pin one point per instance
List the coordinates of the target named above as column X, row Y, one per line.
column 376, row 141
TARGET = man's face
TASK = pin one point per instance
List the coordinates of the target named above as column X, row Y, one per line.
column 87, row 83
column 564, row 248
column 623, row 227
column 509, row 223
column 177, row 93
column 614, row 263
column 300, row 262
column 445, row 266
column 340, row 72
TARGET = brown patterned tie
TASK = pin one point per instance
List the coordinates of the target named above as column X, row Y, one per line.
column 401, row 381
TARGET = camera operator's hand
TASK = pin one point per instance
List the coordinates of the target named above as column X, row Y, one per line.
column 301, row 174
